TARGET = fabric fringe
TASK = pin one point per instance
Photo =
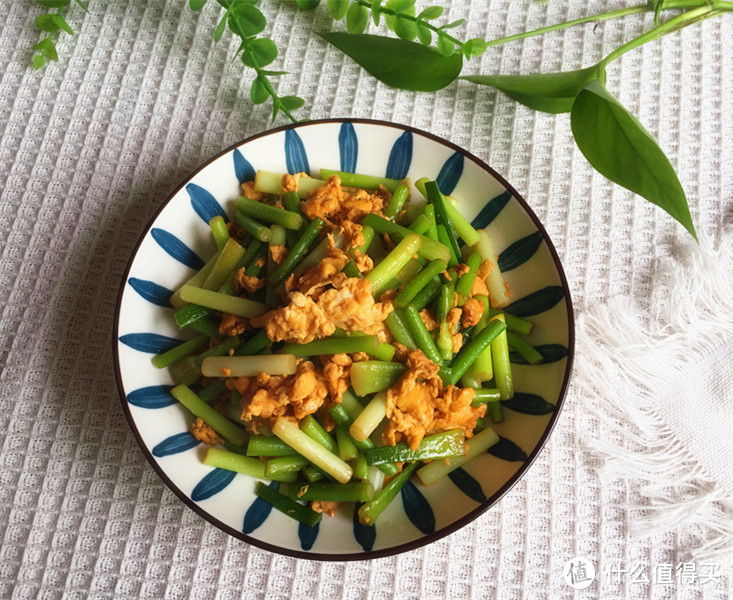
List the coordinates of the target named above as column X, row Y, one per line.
column 627, row 355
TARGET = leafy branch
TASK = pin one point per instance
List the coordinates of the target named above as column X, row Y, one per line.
column 51, row 23
column 611, row 138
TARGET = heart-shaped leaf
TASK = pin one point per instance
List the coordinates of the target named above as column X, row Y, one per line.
column 196, row 4
column 357, row 18
column 62, row 24
column 338, row 8
column 431, row 12
column 548, row 92
column 307, row 4
column 260, row 53
column 246, row 20
column 258, row 93
column 617, row 146
column 399, row 63
column 47, row 23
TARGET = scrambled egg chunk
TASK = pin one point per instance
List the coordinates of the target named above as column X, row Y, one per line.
column 473, row 310
column 479, row 284
column 418, row 405
column 337, row 373
column 232, row 324
column 322, row 274
column 248, row 283
column 204, row 433
column 335, row 204
column 347, row 304
column 264, row 398
column 301, row 321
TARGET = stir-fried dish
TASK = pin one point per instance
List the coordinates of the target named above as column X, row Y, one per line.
column 345, row 337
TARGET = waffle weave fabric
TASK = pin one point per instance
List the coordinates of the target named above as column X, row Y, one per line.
column 141, row 95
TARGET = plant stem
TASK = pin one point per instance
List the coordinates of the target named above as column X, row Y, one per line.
column 674, row 24
column 715, row 6
column 631, row 10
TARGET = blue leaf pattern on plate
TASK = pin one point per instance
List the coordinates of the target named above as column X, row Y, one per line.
column 307, row 535
column 243, row 169
column 257, row 512
column 450, row 173
column 536, row 302
column 364, row 534
column 550, row 353
column 296, row 159
column 211, row 484
column 519, row 252
column 348, row 148
column 528, row 404
column 180, row 442
column 505, row 449
column 467, row 484
column 152, row 343
column 491, row 210
column 204, row 204
column 176, row 248
column 151, row 291
column 417, row 508
column 400, row 157
column 153, row 396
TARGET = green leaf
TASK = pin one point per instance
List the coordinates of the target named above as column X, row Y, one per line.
column 84, row 6
column 46, row 23
column 196, row 4
column 307, row 4
column 259, row 93
column 424, row 34
column 548, row 92
column 474, row 47
column 260, row 53
column 338, row 8
column 617, row 146
column 49, row 50
column 376, row 11
column 357, row 18
column 395, row 22
column 291, row 102
column 453, row 24
column 430, row 13
column 446, row 47
column 53, row 3
column 406, row 29
column 246, row 20
column 399, row 63
column 38, row 61
column 219, row 31
column 401, row 5
column 62, row 24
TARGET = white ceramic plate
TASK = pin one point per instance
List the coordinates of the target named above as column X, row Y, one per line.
column 178, row 240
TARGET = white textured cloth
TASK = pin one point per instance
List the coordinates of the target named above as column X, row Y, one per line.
column 91, row 145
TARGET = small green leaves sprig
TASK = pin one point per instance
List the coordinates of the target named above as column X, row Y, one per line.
column 51, row 23
column 244, row 20
column 425, row 56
